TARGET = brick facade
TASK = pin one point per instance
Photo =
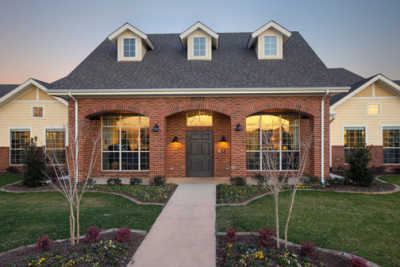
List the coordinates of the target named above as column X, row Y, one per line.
column 376, row 153
column 4, row 156
column 169, row 114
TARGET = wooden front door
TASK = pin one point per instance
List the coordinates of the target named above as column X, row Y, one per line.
column 199, row 154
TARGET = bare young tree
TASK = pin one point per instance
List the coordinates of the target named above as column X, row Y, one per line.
column 279, row 180
column 66, row 178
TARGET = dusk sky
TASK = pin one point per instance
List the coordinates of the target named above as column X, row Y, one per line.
column 47, row 39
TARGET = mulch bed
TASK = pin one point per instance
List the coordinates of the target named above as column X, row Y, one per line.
column 19, row 258
column 376, row 186
column 19, row 187
column 329, row 260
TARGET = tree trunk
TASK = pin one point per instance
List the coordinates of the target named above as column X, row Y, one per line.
column 77, row 221
column 72, row 223
column 276, row 201
column 289, row 215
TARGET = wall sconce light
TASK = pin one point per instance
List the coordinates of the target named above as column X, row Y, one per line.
column 238, row 127
column 175, row 139
column 223, row 139
column 156, row 128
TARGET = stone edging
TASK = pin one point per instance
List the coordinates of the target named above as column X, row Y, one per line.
column 245, row 203
column 346, row 255
column 134, row 200
column 63, row 240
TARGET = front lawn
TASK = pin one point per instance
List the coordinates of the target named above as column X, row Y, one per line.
column 26, row 216
column 9, row 178
column 366, row 225
column 144, row 193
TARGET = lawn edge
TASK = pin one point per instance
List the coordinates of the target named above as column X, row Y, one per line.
column 143, row 232
column 347, row 255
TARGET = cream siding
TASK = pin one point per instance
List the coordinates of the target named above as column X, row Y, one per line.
column 260, row 44
column 17, row 113
column 199, row 33
column 353, row 112
column 139, row 46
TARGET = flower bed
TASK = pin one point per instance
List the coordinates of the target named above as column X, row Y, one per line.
column 247, row 251
column 106, row 252
column 237, row 194
column 144, row 193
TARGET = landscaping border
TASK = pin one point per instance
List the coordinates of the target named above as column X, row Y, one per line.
column 245, row 203
column 66, row 239
column 346, row 255
column 134, row 200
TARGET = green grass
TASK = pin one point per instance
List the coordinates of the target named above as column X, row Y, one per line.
column 366, row 225
column 8, row 178
column 394, row 179
column 26, row 216
column 236, row 194
column 145, row 193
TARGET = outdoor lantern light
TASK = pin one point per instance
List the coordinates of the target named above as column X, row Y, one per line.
column 175, row 139
column 239, row 127
column 223, row 139
column 156, row 128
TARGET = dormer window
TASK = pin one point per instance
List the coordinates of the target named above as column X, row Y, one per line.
column 199, row 40
column 129, row 47
column 268, row 41
column 270, row 46
column 199, row 46
column 132, row 43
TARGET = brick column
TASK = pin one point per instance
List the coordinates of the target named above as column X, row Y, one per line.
column 157, row 146
column 238, row 146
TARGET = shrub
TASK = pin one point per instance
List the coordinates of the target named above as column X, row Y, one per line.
column 114, row 181
column 307, row 249
column 124, row 235
column 135, row 181
column 358, row 262
column 310, row 179
column 261, row 179
column 43, row 243
column 12, row 169
column 378, row 170
column 159, row 180
column 265, row 238
column 238, row 181
column 230, row 235
column 34, row 165
column 92, row 234
column 359, row 173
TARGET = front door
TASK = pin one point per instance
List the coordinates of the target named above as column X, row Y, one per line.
column 199, row 154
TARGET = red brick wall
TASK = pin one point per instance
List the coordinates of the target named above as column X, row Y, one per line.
column 4, row 158
column 158, row 109
column 376, row 153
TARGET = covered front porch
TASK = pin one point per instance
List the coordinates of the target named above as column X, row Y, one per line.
column 206, row 140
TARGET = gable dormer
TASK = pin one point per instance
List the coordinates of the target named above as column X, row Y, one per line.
column 199, row 40
column 268, row 40
column 132, row 43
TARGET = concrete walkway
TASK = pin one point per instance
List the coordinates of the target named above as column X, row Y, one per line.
column 184, row 233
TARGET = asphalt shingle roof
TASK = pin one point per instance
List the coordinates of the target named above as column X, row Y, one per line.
column 345, row 78
column 6, row 88
column 233, row 65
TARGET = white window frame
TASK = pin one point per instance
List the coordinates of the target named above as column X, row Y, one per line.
column 135, row 47
column 354, row 126
column 37, row 106
column 383, row 144
column 261, row 151
column 380, row 109
column 120, row 151
column 205, row 46
column 65, row 140
column 276, row 48
column 10, row 129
